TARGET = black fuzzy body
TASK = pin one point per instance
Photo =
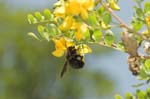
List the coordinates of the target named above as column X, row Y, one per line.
column 74, row 59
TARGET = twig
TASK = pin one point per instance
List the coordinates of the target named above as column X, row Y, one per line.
column 45, row 22
column 122, row 24
column 114, row 46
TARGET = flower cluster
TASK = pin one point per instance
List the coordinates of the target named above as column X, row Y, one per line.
column 74, row 8
column 67, row 11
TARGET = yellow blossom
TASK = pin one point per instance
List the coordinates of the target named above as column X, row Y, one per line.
column 84, row 13
column 114, row 5
column 105, row 26
column 78, row 35
column 60, row 11
column 67, row 23
column 84, row 49
column 146, row 33
column 147, row 19
column 73, row 7
column 81, row 29
column 61, row 45
column 76, row 7
column 87, row 4
column 75, row 25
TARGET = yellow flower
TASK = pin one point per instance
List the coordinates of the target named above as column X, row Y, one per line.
column 76, row 7
column 60, row 11
column 75, row 25
column 147, row 19
column 73, row 7
column 84, row 49
column 78, row 35
column 67, row 23
column 146, row 33
column 81, row 29
column 105, row 26
column 84, row 13
column 87, row 4
column 114, row 5
column 61, row 45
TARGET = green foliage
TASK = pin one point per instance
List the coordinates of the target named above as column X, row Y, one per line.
column 98, row 35
column 47, row 14
column 138, row 95
column 92, row 20
column 147, row 65
column 31, row 19
column 109, row 37
column 147, row 7
column 107, row 18
column 37, row 17
column 129, row 96
column 137, row 24
column 118, row 97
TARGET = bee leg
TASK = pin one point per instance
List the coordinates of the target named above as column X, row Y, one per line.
column 64, row 69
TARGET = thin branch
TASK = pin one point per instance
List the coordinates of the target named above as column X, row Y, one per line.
column 122, row 24
column 46, row 22
column 114, row 46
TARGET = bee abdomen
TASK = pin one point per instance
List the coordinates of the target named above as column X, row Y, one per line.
column 76, row 62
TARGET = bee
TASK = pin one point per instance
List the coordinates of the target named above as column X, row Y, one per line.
column 73, row 58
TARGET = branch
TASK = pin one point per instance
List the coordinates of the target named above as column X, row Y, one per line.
column 46, row 22
column 114, row 46
column 122, row 24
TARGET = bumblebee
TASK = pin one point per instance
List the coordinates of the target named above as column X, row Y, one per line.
column 73, row 58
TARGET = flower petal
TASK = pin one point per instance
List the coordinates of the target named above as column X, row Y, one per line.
column 58, row 53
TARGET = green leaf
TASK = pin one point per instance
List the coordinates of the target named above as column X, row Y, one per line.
column 139, row 11
column 120, row 45
column 141, row 94
column 101, row 10
column 109, row 37
column 33, row 35
column 148, row 93
column 47, row 14
column 147, row 7
column 92, row 20
column 143, row 74
column 118, row 97
column 137, row 24
column 129, row 96
column 107, row 18
column 39, row 16
column 147, row 64
column 97, row 35
column 41, row 30
column 51, row 29
column 31, row 19
column 46, row 36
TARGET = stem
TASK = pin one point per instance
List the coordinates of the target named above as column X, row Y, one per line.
column 122, row 24
column 46, row 22
column 114, row 46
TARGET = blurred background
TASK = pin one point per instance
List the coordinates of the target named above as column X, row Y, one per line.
column 29, row 71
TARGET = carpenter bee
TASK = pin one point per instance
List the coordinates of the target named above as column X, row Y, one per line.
column 73, row 58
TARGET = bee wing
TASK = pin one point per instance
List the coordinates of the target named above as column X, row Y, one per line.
column 64, row 69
